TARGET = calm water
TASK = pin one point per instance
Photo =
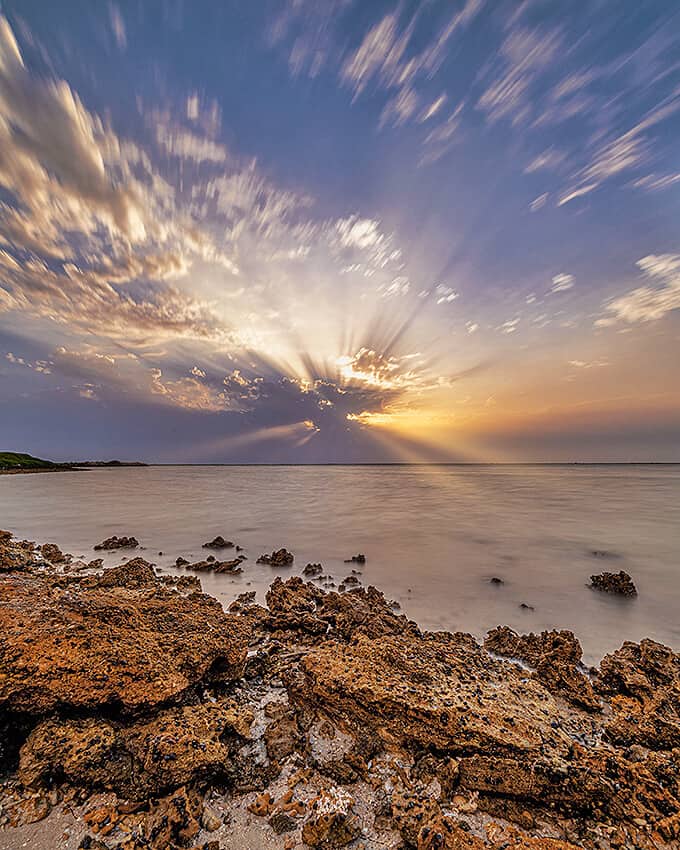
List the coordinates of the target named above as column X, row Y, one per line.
column 433, row 536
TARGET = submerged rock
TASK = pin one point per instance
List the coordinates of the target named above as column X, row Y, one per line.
column 356, row 559
column 219, row 543
column 620, row 583
column 278, row 558
column 117, row 543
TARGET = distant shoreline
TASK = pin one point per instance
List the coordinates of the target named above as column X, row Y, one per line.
column 81, row 467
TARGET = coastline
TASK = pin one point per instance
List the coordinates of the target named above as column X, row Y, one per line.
column 326, row 719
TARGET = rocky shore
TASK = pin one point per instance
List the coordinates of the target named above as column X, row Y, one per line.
column 136, row 713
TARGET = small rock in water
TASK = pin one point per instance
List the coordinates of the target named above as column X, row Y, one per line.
column 278, row 558
column 496, row 580
column 181, row 562
column 312, row 570
column 219, row 543
column 620, row 583
column 525, row 607
column 117, row 543
column 356, row 559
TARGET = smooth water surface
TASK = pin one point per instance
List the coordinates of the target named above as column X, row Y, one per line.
column 433, row 536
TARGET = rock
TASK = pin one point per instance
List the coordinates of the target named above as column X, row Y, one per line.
column 77, row 644
column 210, row 820
column 134, row 573
column 496, row 580
column 332, row 822
column 305, row 608
column 148, row 758
column 356, row 559
column 643, row 682
column 620, row 583
column 211, row 565
column 117, row 543
column 280, row 822
column 282, row 736
column 181, row 562
column 52, row 553
column 219, row 543
column 278, row 558
column 525, row 607
column 312, row 570
column 555, row 655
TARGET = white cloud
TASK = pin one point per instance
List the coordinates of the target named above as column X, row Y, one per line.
column 539, row 202
column 471, row 327
column 118, row 26
column 561, row 283
column 648, row 303
column 182, row 143
column 445, row 294
column 192, row 107
column 549, row 159
column 433, row 108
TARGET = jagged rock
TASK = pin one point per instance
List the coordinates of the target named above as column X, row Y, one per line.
column 117, row 543
column 356, row 559
column 332, row 822
column 303, row 607
column 312, row 570
column 278, row 558
column 177, row 747
column 555, row 655
column 134, row 573
column 219, row 543
column 181, row 562
column 643, row 682
column 76, row 644
column 211, row 565
column 620, row 583
column 496, row 580
column 282, row 736
column 15, row 555
column 52, row 553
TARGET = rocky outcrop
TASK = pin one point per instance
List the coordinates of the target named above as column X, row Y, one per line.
column 52, row 553
column 620, row 583
column 326, row 719
column 555, row 657
column 117, row 543
column 99, row 642
column 642, row 682
column 176, row 747
column 278, row 558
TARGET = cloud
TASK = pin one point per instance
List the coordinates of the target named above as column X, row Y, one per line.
column 184, row 144
column 539, row 202
column 445, row 294
column 432, row 109
column 648, row 303
column 561, row 283
column 472, row 327
column 118, row 26
column 524, row 54
column 549, row 159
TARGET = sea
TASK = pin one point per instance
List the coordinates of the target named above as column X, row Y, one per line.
column 434, row 536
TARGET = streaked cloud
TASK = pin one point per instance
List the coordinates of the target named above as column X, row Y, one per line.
column 652, row 302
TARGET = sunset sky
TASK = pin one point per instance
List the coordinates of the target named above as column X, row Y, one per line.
column 340, row 230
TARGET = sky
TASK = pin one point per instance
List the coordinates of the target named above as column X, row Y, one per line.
column 316, row 231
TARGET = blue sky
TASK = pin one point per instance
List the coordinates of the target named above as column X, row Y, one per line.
column 340, row 231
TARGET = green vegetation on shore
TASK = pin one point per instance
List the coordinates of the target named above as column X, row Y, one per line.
column 21, row 462
column 18, row 460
